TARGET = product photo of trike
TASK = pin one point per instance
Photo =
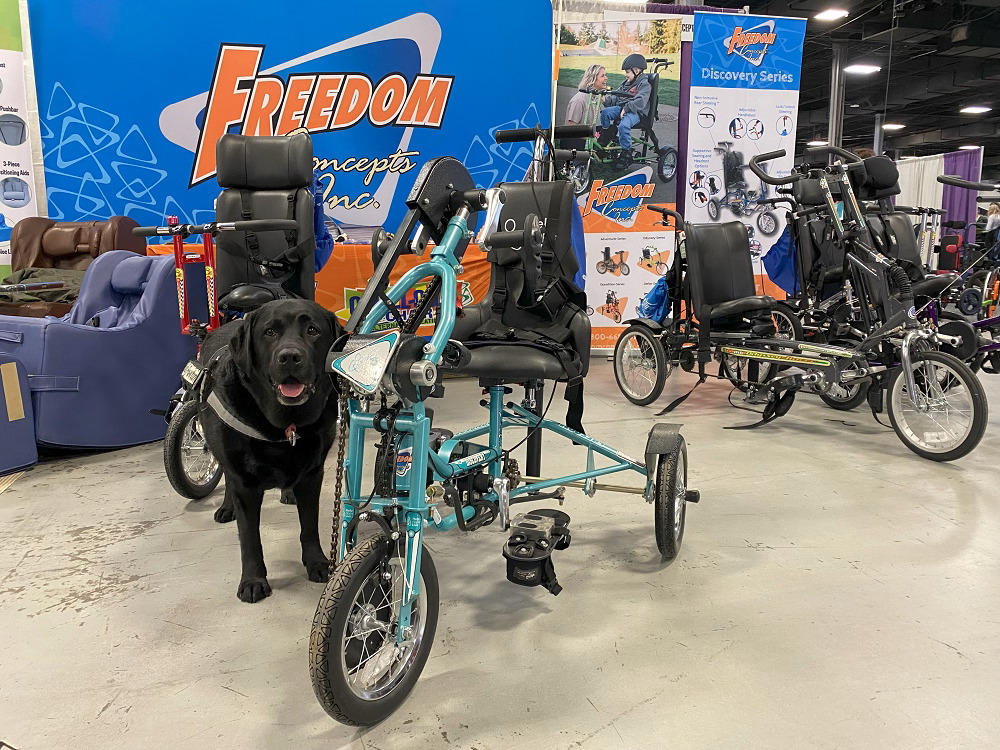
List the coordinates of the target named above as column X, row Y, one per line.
column 375, row 623
column 736, row 195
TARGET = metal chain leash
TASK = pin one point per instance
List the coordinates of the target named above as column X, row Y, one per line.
column 342, row 429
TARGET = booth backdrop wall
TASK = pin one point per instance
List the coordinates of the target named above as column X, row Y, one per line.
column 129, row 125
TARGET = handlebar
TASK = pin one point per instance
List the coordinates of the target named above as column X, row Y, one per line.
column 776, row 201
column 764, row 176
column 948, row 179
column 843, row 153
column 678, row 219
column 213, row 228
column 530, row 134
column 571, row 154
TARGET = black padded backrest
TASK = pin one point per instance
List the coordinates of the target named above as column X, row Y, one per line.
column 647, row 117
column 807, row 193
column 719, row 265
column 553, row 202
column 265, row 177
column 901, row 239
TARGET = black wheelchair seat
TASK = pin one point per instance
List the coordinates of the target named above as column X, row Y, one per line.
column 248, row 297
column 513, row 363
column 759, row 304
column 932, row 286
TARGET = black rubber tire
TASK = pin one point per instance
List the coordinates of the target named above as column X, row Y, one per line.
column 173, row 448
column 624, row 269
column 767, row 219
column 666, row 158
column 980, row 407
column 646, row 339
column 602, row 267
column 669, row 502
column 713, row 209
column 581, row 179
column 848, row 402
column 325, row 664
column 617, row 317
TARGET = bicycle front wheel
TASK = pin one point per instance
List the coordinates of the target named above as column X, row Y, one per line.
column 361, row 670
column 945, row 417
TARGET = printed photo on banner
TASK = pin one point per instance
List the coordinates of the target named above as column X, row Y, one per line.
column 622, row 77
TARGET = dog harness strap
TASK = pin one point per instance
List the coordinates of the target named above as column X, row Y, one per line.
column 234, row 422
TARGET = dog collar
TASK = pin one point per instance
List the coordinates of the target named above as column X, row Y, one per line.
column 234, row 422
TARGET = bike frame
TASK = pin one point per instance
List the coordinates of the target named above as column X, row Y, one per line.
column 411, row 509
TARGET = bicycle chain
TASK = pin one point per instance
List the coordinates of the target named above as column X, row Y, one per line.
column 342, row 429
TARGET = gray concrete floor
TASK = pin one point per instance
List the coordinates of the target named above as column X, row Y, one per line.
column 834, row 591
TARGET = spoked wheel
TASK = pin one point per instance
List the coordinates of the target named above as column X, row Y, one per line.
column 616, row 316
column 767, row 223
column 602, row 267
column 847, row 396
column 641, row 366
column 737, row 371
column 666, row 164
column 949, row 417
column 713, row 209
column 660, row 267
column 361, row 671
column 624, row 269
column 670, row 501
column 191, row 468
column 579, row 178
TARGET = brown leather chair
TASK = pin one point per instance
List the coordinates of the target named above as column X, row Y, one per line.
column 37, row 242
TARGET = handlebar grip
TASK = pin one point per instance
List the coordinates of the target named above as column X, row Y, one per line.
column 499, row 240
column 515, row 135
column 776, row 201
column 571, row 154
column 810, row 211
column 948, row 179
column 665, row 212
column 574, row 131
column 149, row 231
column 255, row 225
column 764, row 176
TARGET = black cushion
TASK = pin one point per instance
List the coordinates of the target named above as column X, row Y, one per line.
column 247, row 297
column 719, row 265
column 933, row 285
column 264, row 162
column 512, row 362
column 760, row 303
column 876, row 178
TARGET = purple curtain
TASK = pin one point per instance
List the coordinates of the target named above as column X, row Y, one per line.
column 960, row 204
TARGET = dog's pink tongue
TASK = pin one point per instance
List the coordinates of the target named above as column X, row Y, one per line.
column 291, row 390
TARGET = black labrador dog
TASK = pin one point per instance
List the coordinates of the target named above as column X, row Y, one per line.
column 269, row 412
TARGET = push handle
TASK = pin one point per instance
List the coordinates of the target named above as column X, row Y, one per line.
column 948, row 179
column 666, row 212
column 755, row 162
column 213, row 228
column 843, row 153
column 530, row 134
column 571, row 154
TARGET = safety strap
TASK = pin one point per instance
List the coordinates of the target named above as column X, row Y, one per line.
column 278, row 270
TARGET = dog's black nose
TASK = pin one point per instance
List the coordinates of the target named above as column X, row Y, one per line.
column 290, row 356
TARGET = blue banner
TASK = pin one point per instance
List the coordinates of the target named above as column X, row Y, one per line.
column 130, row 126
column 747, row 52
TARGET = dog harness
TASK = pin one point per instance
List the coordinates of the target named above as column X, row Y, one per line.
column 223, row 412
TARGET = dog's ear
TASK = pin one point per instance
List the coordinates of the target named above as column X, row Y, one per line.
column 242, row 346
column 336, row 329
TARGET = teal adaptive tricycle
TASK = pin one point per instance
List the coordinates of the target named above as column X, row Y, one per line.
column 375, row 623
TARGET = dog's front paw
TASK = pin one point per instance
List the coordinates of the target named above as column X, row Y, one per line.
column 253, row 590
column 224, row 514
column 318, row 569
column 287, row 497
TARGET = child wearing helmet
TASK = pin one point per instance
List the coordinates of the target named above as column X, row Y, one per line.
column 626, row 103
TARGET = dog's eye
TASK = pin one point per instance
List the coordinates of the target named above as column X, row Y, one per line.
column 270, row 332
column 312, row 331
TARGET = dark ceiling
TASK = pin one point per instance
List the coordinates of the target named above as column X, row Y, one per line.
column 936, row 58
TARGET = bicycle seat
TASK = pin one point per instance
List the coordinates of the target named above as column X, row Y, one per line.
column 513, row 363
column 932, row 286
column 247, row 297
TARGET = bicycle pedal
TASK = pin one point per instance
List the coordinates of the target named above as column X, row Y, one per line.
column 529, row 549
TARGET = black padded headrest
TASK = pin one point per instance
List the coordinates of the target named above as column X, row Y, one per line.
column 877, row 178
column 264, row 162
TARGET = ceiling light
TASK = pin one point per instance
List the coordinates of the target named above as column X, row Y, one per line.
column 862, row 69
column 833, row 14
column 970, row 148
column 818, row 143
column 976, row 110
column 893, row 126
